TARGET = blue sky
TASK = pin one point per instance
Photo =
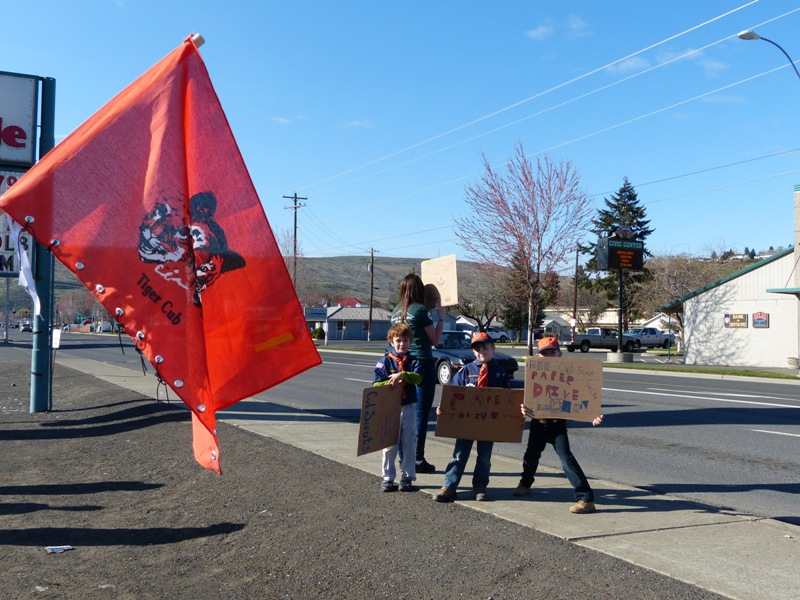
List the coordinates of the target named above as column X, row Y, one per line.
column 378, row 112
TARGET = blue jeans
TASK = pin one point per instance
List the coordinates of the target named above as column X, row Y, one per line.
column 457, row 464
column 554, row 432
column 425, row 393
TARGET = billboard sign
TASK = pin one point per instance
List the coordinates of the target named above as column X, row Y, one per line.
column 736, row 320
column 18, row 101
column 620, row 253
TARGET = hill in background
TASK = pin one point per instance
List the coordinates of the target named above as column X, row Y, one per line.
column 342, row 276
column 333, row 277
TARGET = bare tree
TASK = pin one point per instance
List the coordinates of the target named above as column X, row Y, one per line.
column 79, row 302
column 673, row 277
column 586, row 302
column 305, row 285
column 480, row 296
column 537, row 213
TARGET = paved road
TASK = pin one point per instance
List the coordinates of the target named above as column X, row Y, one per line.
column 727, row 443
column 734, row 554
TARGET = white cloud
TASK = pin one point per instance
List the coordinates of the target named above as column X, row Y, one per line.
column 710, row 66
column 358, row 124
column 713, row 67
column 684, row 116
column 542, row 32
column 723, row 99
column 577, row 27
column 573, row 27
column 636, row 63
column 281, row 121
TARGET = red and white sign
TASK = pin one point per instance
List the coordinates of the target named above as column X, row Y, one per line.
column 9, row 262
column 18, row 99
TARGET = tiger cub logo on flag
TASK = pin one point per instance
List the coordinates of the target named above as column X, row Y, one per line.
column 165, row 237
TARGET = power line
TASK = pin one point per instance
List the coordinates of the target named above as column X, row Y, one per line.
column 708, row 170
column 530, row 98
column 652, row 113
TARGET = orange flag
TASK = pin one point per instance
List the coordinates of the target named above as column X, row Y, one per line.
column 150, row 204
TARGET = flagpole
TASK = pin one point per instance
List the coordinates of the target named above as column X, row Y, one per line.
column 41, row 368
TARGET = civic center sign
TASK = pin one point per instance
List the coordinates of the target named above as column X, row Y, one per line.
column 619, row 253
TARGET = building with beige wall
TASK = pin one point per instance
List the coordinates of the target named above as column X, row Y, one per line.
column 736, row 322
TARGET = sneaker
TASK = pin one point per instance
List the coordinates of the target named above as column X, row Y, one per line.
column 388, row 486
column 582, row 507
column 480, row 495
column 406, row 486
column 446, row 495
column 522, row 490
column 425, row 467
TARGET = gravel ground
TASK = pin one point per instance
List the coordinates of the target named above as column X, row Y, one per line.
column 112, row 474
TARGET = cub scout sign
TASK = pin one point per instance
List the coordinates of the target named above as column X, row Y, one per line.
column 486, row 414
column 380, row 418
column 563, row 388
column 442, row 273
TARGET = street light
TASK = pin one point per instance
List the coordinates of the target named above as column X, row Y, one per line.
column 752, row 35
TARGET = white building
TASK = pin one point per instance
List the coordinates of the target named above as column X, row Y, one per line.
column 736, row 322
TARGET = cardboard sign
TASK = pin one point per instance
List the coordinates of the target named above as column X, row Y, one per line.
column 380, row 418
column 564, row 388
column 487, row 414
column 441, row 272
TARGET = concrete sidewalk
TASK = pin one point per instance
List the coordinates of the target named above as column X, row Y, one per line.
column 733, row 554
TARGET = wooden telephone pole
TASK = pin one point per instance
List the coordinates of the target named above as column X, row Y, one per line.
column 294, row 207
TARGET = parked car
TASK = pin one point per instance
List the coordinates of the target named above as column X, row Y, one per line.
column 498, row 335
column 104, row 327
column 454, row 351
column 649, row 337
column 598, row 337
column 26, row 326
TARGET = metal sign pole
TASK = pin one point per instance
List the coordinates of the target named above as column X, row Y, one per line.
column 41, row 386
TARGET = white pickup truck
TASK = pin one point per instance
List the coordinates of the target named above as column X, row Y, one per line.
column 649, row 337
column 597, row 337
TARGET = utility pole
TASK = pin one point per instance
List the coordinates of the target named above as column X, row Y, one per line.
column 372, row 252
column 575, row 294
column 294, row 207
column 42, row 351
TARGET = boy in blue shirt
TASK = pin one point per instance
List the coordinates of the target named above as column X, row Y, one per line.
column 482, row 372
column 398, row 367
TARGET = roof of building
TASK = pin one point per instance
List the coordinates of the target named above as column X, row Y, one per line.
column 677, row 305
column 350, row 301
column 357, row 313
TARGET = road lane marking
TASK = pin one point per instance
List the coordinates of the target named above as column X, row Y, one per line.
column 720, row 394
column 369, row 366
column 703, row 398
column 776, row 432
column 358, row 380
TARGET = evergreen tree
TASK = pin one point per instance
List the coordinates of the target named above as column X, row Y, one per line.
column 622, row 212
column 514, row 313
